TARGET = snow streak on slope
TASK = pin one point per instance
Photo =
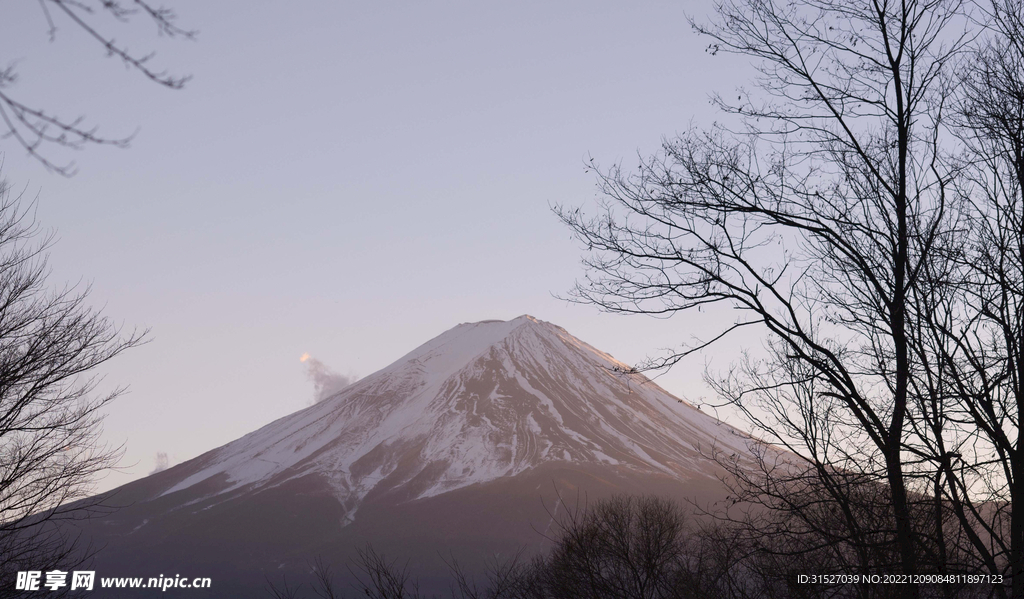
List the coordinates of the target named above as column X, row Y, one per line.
column 481, row 401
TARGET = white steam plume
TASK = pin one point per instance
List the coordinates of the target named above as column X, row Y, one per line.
column 326, row 382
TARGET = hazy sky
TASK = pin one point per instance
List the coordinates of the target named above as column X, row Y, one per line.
column 343, row 179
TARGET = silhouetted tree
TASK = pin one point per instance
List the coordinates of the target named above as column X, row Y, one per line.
column 812, row 222
column 624, row 548
column 378, row 577
column 510, row 578
column 974, row 311
column 51, row 343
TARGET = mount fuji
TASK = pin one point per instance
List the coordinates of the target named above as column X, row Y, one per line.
column 466, row 445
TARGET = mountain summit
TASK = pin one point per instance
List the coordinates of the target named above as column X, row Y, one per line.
column 465, row 446
column 482, row 401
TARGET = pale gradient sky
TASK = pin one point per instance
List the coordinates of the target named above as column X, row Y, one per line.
column 344, row 179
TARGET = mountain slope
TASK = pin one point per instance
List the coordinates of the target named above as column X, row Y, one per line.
column 480, row 402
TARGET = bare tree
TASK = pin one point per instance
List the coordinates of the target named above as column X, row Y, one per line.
column 624, row 547
column 380, row 578
column 323, row 584
column 511, row 578
column 285, row 591
column 51, row 343
column 974, row 309
column 32, row 127
column 813, row 222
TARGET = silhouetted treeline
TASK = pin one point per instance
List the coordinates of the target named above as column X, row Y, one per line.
column 646, row 547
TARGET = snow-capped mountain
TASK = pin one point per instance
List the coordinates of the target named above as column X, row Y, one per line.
column 469, row 444
column 482, row 401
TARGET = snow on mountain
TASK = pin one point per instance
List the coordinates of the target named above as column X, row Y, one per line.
column 479, row 402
